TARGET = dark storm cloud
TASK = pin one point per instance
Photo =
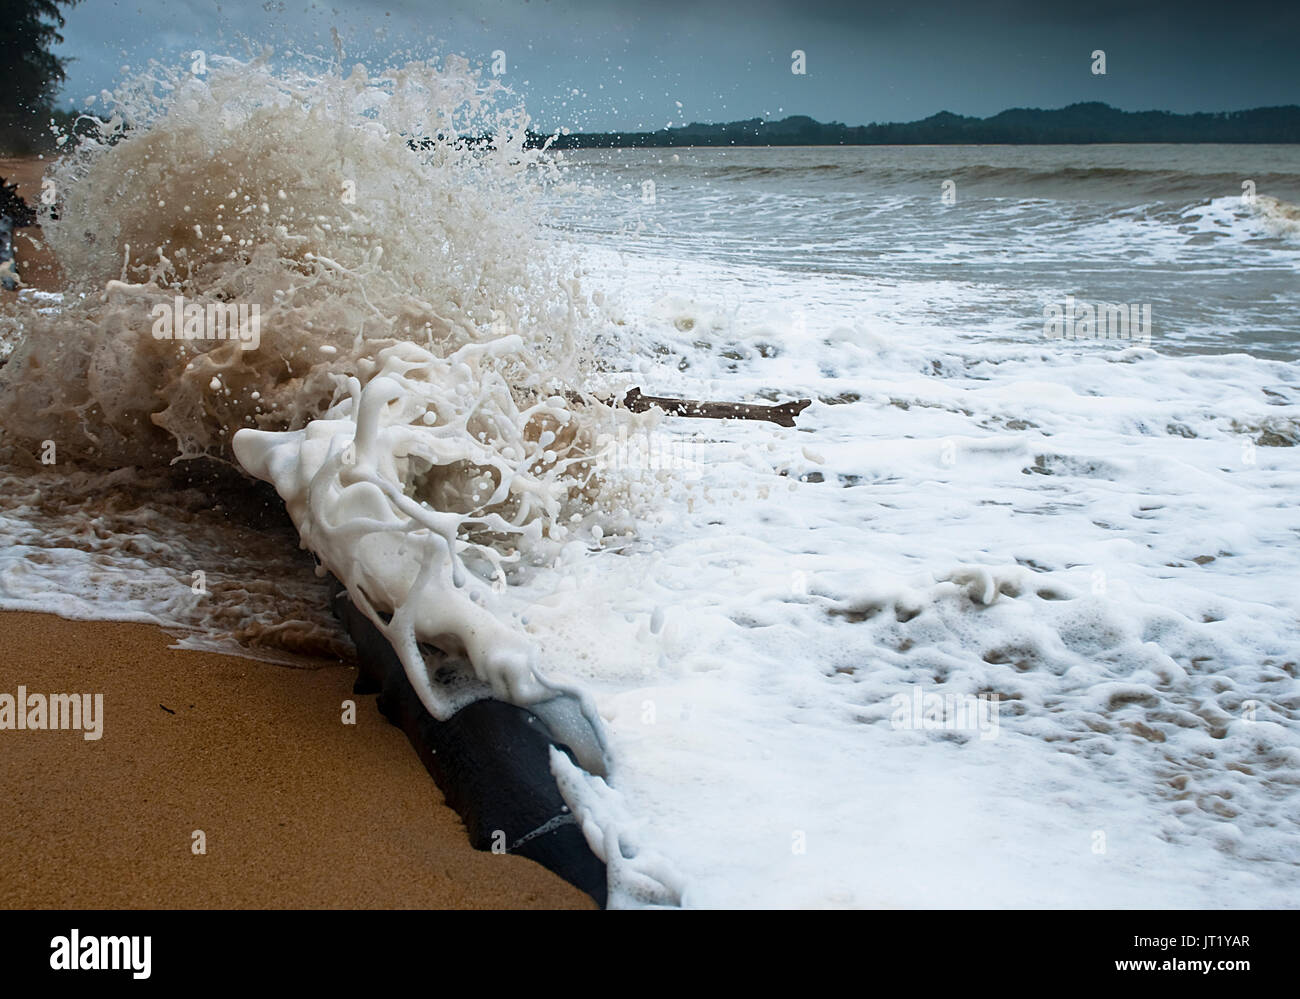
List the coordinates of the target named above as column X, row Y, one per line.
column 595, row 64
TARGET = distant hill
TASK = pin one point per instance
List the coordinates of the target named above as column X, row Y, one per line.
column 1079, row 123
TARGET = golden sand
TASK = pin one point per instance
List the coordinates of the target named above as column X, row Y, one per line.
column 296, row 808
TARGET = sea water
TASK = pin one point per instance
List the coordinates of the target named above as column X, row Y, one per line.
column 1007, row 619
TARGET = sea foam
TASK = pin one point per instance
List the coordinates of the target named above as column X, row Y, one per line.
column 1096, row 534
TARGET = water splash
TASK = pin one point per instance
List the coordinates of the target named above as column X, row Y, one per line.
column 415, row 394
column 299, row 193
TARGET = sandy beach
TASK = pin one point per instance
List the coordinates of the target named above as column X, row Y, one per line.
column 297, row 808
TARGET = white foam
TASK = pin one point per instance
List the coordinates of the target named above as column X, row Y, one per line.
column 1097, row 533
column 1025, row 521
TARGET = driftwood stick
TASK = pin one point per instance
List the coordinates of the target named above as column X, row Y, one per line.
column 784, row 414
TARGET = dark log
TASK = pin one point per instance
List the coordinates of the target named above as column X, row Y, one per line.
column 635, row 400
column 784, row 414
column 491, row 760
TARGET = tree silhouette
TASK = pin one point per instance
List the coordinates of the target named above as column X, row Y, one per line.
column 29, row 29
column 1077, row 123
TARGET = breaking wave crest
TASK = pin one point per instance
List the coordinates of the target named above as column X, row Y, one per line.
column 1280, row 218
column 415, row 391
column 300, row 194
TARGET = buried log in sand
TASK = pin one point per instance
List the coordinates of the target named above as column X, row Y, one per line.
column 491, row 760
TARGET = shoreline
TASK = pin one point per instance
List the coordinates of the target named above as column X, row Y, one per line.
column 297, row 809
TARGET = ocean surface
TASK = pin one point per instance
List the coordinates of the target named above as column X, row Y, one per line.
column 1169, row 226
column 1007, row 619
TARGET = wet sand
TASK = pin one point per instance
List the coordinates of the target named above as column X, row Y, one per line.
column 297, row 808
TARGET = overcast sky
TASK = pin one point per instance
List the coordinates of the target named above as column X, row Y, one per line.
column 604, row 64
